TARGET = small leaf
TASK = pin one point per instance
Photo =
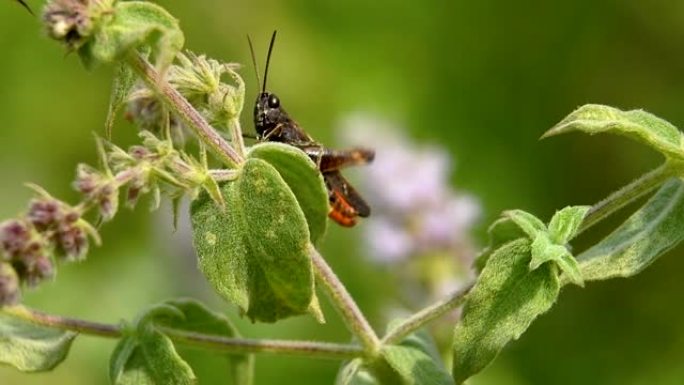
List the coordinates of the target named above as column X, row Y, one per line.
column 195, row 317
column 148, row 357
column 506, row 298
column 636, row 124
column 646, row 235
column 354, row 373
column 566, row 222
column 124, row 79
column 502, row 231
column 544, row 250
column 416, row 361
column 304, row 179
column 256, row 252
column 134, row 24
column 32, row 348
column 527, row 222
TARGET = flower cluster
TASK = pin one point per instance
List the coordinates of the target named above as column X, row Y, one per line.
column 199, row 80
column 52, row 231
column 420, row 225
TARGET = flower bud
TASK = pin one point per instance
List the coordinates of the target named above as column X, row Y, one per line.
column 108, row 201
column 38, row 269
column 9, row 285
column 68, row 21
column 43, row 213
column 14, row 237
column 72, row 242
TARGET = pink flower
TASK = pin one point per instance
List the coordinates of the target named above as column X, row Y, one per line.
column 415, row 210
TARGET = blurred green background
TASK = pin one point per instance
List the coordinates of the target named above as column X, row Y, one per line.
column 485, row 79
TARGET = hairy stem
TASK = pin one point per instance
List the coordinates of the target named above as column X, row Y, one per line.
column 345, row 305
column 234, row 345
column 428, row 314
column 184, row 110
column 628, row 194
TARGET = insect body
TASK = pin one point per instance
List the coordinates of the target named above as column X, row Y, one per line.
column 272, row 123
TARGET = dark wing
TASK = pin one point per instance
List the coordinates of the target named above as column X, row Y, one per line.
column 339, row 189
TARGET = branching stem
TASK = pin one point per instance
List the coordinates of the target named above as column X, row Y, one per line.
column 177, row 104
column 344, row 303
column 323, row 350
column 628, row 194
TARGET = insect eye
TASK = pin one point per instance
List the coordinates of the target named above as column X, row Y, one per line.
column 273, row 101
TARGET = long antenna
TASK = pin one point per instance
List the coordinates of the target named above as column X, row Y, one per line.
column 268, row 60
column 256, row 67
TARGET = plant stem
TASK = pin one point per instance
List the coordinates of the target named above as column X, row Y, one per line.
column 233, row 345
column 243, row 345
column 628, row 194
column 184, row 110
column 63, row 323
column 428, row 314
column 345, row 305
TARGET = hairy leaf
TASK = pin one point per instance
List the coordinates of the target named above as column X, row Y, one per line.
column 636, row 124
column 355, row 373
column 416, row 361
column 32, row 348
column 256, row 252
column 502, row 231
column 195, row 317
column 134, row 24
column 527, row 222
column 641, row 239
column 303, row 178
column 124, row 79
column 148, row 357
column 505, row 300
column 544, row 250
column 566, row 222
column 413, row 361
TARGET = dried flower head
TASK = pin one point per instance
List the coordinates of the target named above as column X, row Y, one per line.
column 68, row 21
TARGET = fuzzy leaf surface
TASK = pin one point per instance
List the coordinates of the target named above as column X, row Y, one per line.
column 639, row 125
column 255, row 252
column 195, row 317
column 148, row 357
column 303, row 178
column 134, row 24
column 505, row 300
column 646, row 235
column 31, row 348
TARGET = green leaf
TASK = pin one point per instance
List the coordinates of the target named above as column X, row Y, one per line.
column 32, row 348
column 506, row 298
column 195, row 317
column 355, row 373
column 256, row 252
column 304, row 179
column 636, row 124
column 512, row 224
column 134, row 24
column 148, row 357
column 527, row 222
column 414, row 361
column 502, row 231
column 544, row 250
column 124, row 79
column 566, row 222
column 646, row 235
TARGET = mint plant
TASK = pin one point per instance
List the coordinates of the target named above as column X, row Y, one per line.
column 258, row 213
